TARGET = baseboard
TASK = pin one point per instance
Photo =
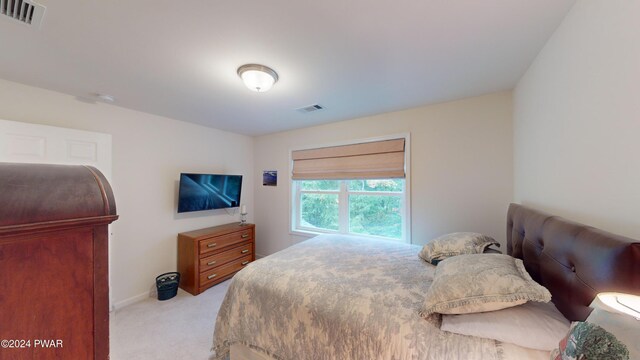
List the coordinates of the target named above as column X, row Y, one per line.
column 126, row 302
column 259, row 256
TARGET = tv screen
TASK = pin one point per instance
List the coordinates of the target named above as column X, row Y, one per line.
column 208, row 191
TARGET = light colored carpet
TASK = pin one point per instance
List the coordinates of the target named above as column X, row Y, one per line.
column 178, row 328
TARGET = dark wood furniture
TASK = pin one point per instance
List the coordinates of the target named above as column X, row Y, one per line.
column 209, row 256
column 54, row 261
column 574, row 261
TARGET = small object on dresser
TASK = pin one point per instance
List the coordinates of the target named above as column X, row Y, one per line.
column 243, row 215
column 167, row 285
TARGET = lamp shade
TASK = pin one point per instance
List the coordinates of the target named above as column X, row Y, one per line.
column 616, row 314
column 258, row 78
column 618, row 303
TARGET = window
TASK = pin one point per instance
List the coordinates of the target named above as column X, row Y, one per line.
column 356, row 188
column 374, row 207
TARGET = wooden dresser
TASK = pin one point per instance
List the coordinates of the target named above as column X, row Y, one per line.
column 209, row 256
column 54, row 283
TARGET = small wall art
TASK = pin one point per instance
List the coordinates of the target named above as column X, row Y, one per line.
column 270, row 178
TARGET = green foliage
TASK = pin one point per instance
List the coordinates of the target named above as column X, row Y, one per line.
column 320, row 211
column 375, row 215
column 378, row 215
column 321, row 185
column 387, row 185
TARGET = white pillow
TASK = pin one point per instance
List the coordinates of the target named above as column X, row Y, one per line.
column 533, row 325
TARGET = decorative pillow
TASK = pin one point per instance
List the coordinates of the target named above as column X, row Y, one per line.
column 481, row 282
column 454, row 244
column 587, row 340
column 607, row 333
column 533, row 325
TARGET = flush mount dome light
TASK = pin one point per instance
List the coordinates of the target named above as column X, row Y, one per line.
column 258, row 78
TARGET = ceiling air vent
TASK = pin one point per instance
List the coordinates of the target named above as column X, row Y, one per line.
column 310, row 108
column 24, row 11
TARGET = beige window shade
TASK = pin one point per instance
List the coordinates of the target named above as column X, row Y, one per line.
column 372, row 160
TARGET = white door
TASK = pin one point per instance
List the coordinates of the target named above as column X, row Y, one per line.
column 30, row 143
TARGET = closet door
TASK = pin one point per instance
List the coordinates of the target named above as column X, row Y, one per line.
column 31, row 143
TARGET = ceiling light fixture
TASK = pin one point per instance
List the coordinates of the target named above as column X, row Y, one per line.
column 256, row 77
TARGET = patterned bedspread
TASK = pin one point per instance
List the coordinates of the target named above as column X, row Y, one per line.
column 339, row 297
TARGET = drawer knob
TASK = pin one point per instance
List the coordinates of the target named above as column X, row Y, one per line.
column 244, row 236
column 211, row 245
column 211, row 276
column 244, row 251
column 245, row 262
column 211, row 263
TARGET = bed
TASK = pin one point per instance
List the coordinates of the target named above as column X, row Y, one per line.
column 343, row 297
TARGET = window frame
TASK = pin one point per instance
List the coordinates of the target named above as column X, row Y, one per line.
column 343, row 194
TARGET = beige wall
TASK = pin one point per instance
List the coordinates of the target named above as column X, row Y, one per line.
column 577, row 119
column 149, row 152
column 461, row 167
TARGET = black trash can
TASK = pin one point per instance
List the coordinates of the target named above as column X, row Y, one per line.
column 167, row 285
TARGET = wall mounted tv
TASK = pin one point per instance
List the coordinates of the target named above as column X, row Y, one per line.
column 208, row 191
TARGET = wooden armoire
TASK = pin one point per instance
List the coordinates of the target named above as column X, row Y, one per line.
column 54, row 284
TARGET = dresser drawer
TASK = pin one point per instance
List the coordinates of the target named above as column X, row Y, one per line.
column 218, row 242
column 224, row 257
column 224, row 270
column 217, row 251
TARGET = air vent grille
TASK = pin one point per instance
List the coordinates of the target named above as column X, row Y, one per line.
column 24, row 11
column 310, row 108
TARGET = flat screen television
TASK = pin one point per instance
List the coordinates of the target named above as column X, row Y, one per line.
column 200, row 192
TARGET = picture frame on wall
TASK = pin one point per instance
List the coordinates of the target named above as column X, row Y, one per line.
column 270, row 178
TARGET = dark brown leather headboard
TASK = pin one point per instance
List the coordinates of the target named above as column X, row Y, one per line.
column 575, row 262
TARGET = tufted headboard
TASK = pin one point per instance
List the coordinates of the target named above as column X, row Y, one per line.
column 575, row 262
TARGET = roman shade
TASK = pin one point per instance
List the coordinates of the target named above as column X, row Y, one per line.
column 370, row 160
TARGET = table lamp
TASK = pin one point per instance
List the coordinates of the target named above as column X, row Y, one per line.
column 617, row 303
column 619, row 314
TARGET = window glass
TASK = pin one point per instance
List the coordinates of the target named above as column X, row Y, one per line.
column 319, row 211
column 375, row 215
column 362, row 207
column 333, row 185
column 387, row 185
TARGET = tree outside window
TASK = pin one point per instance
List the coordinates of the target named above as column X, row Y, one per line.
column 374, row 207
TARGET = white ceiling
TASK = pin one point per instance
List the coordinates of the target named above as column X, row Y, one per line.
column 355, row 57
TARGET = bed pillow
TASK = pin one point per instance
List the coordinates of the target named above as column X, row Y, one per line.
column 480, row 282
column 587, row 340
column 454, row 244
column 534, row 325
